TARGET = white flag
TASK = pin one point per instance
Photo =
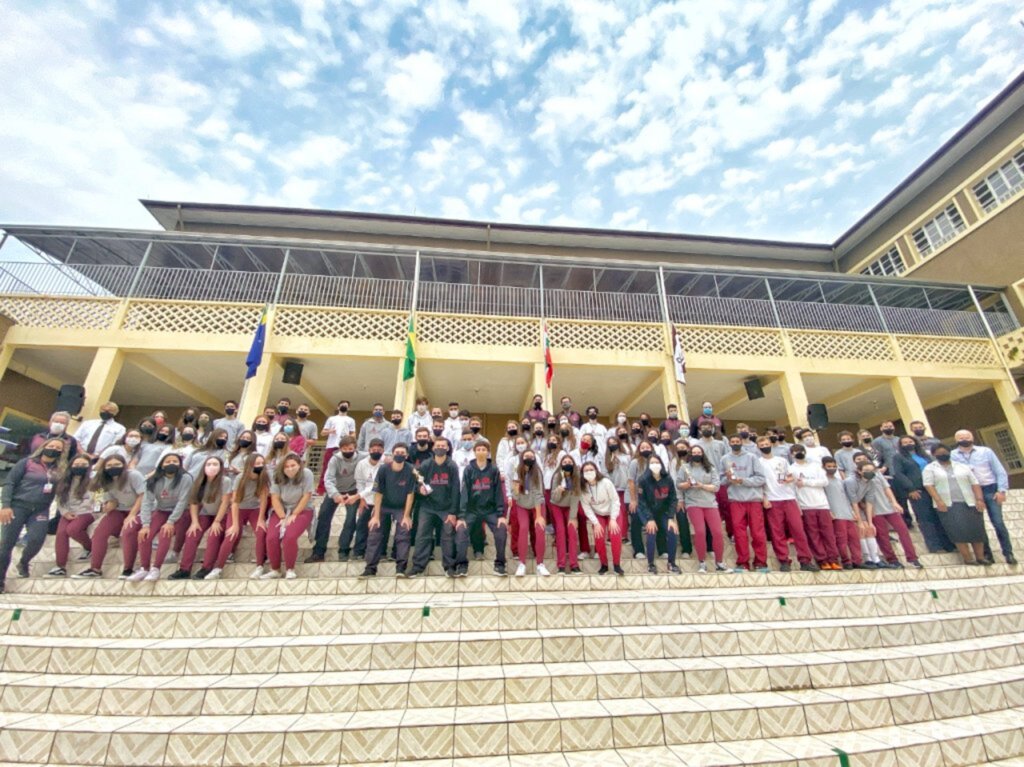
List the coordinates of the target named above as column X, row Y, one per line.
column 678, row 356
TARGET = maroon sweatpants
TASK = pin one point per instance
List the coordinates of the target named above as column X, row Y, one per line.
column 882, row 524
column 847, row 541
column 188, row 551
column 784, row 517
column 703, row 519
column 110, row 525
column 288, row 545
column 218, row 556
column 724, row 508
column 71, row 530
column 525, row 521
column 615, row 538
column 565, row 537
column 163, row 542
column 821, row 531
column 749, row 516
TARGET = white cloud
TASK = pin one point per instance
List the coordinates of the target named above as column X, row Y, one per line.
column 318, row 151
column 599, row 159
column 417, row 81
column 454, row 207
column 485, row 128
column 237, row 36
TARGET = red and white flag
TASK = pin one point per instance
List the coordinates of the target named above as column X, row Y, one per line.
column 678, row 356
column 549, row 368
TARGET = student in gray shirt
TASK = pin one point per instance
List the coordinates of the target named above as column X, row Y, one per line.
column 743, row 474
column 165, row 501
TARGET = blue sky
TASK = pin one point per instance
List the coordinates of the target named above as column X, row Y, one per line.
column 755, row 118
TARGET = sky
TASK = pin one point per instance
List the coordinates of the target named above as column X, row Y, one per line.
column 746, row 118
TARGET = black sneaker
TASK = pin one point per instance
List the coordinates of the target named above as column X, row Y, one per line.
column 674, row 569
column 313, row 559
column 869, row 565
column 809, row 567
column 201, row 573
column 652, row 569
column 478, row 556
column 618, row 570
column 23, row 571
column 179, row 575
column 986, row 562
column 785, row 567
column 897, row 565
column 917, row 564
column 450, row 572
column 574, row 570
column 126, row 573
column 85, row 556
column 58, row 572
column 1010, row 559
column 367, row 573
column 342, row 556
column 561, row 570
column 414, row 574
column 602, row 570
column 462, row 571
column 499, row 570
column 88, row 573
column 401, row 574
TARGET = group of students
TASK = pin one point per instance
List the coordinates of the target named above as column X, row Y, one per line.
column 162, row 489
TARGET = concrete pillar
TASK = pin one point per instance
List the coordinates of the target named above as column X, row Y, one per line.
column 795, row 397
column 537, row 386
column 6, row 350
column 1013, row 409
column 256, row 390
column 100, row 380
column 673, row 392
column 908, row 403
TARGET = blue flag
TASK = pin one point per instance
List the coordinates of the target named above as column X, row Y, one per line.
column 252, row 361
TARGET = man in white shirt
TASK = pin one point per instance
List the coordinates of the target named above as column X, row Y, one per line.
column 591, row 426
column 307, row 428
column 421, row 418
column 453, row 423
column 782, row 509
column 811, row 481
column 337, row 426
column 97, row 434
column 230, row 423
column 815, row 452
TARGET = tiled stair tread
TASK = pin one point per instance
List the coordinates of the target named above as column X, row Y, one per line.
column 954, row 740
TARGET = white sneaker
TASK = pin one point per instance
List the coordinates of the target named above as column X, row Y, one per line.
column 581, row 556
column 270, row 575
column 521, row 570
column 639, row 555
column 702, row 568
column 290, row 575
column 138, row 575
column 171, row 558
column 664, row 556
column 257, row 573
column 541, row 570
column 153, row 574
column 213, row 575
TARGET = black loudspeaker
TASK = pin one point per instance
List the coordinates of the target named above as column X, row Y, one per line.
column 292, row 373
column 754, row 388
column 817, row 416
column 70, row 398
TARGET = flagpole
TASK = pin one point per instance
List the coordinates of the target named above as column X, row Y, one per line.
column 544, row 332
column 684, row 411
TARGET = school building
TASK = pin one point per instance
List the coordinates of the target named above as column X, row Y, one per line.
column 912, row 314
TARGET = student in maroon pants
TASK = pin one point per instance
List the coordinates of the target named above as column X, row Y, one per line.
column 167, row 495
column 743, row 475
column 75, row 506
column 209, row 501
column 122, row 490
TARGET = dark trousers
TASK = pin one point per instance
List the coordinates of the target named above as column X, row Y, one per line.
column 324, row 519
column 355, row 526
column 476, row 521
column 685, row 540
column 377, row 540
column 426, row 533
column 671, row 539
column 35, row 522
column 995, row 516
column 935, row 538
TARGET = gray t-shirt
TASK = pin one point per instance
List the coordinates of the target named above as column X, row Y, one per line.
column 838, row 499
column 209, row 508
column 233, row 427
column 291, row 492
column 134, row 486
column 250, row 498
column 166, row 496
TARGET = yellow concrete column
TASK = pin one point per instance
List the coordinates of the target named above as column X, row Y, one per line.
column 405, row 391
column 908, row 403
column 256, row 390
column 537, row 386
column 794, row 396
column 6, row 350
column 99, row 382
column 672, row 392
column 1013, row 409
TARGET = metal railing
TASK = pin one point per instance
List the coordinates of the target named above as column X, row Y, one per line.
column 183, row 284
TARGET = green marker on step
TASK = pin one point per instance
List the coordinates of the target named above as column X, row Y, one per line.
column 782, row 601
column 426, row 611
column 17, row 615
column 844, row 758
column 935, row 594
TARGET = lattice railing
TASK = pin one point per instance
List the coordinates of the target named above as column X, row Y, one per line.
column 340, row 323
column 192, row 317
column 485, row 331
column 841, row 346
column 618, row 336
column 735, row 341
column 77, row 313
column 1013, row 347
column 948, row 351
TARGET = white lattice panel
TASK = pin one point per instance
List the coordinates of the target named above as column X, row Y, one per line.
column 949, row 351
column 192, row 317
column 1013, row 347
column 340, row 323
column 841, row 346
column 742, row 341
column 77, row 313
column 486, row 331
column 623, row 336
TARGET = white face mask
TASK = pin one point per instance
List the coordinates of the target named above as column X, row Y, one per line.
column 56, row 427
column 453, row 413
column 131, row 441
column 590, row 476
column 621, row 419
column 656, row 469
column 421, row 409
column 809, row 441
column 520, row 448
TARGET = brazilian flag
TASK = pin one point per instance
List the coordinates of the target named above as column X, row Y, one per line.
column 409, row 369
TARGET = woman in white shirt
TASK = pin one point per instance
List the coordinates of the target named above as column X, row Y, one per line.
column 959, row 502
column 602, row 506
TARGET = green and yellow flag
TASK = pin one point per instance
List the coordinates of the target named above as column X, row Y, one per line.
column 409, row 369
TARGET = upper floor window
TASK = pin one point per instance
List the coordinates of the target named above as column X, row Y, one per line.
column 888, row 264
column 941, row 229
column 1002, row 183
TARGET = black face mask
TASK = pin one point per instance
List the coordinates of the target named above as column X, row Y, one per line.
column 682, row 453
column 906, row 449
column 635, row 431
column 646, row 453
column 475, row 429
column 105, row 416
column 512, row 432
column 115, row 471
column 376, row 454
column 799, row 455
column 539, row 433
column 564, row 432
column 347, row 454
column 440, row 451
column 260, row 427
column 667, row 441
column 343, row 409
column 888, row 432
column 282, row 409
column 242, row 442
column 422, row 444
column 942, row 457
column 744, row 435
column 79, row 471
column 706, row 432
column 567, row 469
column 171, row 469
column 868, row 475
column 613, row 446
column 846, row 443
column 220, row 442
column 736, row 448
column 645, row 421
column 552, row 446
column 773, row 439
column 397, row 420
column 526, row 427
column 552, row 425
column 592, row 416
column 623, row 435
column 188, row 418
column 147, row 430
column 438, row 432
column 529, row 463
column 918, row 432
column 696, row 459
column 52, row 452
column 765, row 450
column 279, row 445
column 303, row 414
column 229, row 411
column 161, row 437
column 398, row 458
column 964, row 442
column 257, row 470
